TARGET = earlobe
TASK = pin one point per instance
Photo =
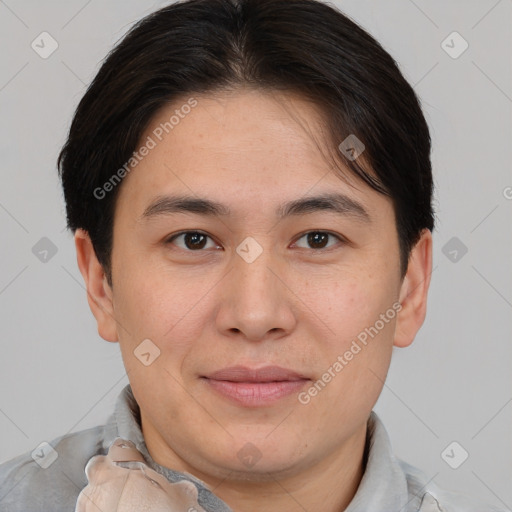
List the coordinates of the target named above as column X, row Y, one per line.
column 99, row 293
column 414, row 291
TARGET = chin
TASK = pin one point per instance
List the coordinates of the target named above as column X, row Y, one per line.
column 264, row 472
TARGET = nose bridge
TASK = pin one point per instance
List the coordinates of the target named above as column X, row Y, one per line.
column 256, row 301
column 251, row 274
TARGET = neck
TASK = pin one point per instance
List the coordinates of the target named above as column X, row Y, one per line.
column 329, row 484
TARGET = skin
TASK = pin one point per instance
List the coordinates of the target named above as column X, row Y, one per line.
column 296, row 305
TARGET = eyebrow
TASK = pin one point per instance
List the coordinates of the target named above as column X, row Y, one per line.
column 337, row 203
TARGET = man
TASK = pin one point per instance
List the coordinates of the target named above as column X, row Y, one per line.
column 249, row 183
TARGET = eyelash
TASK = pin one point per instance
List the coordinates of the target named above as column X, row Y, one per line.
column 340, row 239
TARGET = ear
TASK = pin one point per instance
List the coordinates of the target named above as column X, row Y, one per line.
column 414, row 291
column 99, row 293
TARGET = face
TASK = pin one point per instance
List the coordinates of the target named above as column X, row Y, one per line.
column 267, row 278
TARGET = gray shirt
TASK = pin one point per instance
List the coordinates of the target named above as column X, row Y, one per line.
column 43, row 483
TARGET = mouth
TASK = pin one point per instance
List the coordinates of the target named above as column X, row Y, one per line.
column 255, row 387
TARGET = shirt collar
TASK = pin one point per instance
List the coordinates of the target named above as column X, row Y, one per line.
column 383, row 486
column 127, row 418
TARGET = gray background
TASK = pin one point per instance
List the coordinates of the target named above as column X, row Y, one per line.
column 453, row 384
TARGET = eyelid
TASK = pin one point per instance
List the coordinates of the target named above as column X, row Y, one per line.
column 169, row 239
column 339, row 237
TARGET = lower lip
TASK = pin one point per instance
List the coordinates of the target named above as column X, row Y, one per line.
column 252, row 394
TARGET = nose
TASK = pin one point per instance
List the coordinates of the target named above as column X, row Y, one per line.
column 257, row 302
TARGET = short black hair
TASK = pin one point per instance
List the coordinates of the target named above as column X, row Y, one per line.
column 202, row 46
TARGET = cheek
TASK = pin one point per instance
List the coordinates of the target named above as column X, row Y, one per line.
column 361, row 316
column 348, row 303
column 368, row 314
column 169, row 311
column 158, row 302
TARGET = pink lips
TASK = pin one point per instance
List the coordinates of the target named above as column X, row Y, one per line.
column 256, row 387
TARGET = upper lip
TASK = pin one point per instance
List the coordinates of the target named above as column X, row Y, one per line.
column 265, row 374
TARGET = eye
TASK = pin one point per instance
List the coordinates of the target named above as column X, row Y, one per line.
column 318, row 239
column 191, row 241
column 196, row 241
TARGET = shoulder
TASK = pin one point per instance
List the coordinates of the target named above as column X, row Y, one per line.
column 51, row 476
column 426, row 496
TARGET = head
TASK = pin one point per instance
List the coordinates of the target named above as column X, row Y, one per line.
column 304, row 239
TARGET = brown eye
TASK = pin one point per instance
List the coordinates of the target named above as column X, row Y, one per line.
column 191, row 241
column 318, row 239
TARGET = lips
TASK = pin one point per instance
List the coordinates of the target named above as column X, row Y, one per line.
column 265, row 374
column 249, row 387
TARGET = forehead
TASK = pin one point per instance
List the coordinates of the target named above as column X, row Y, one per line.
column 236, row 144
column 244, row 131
